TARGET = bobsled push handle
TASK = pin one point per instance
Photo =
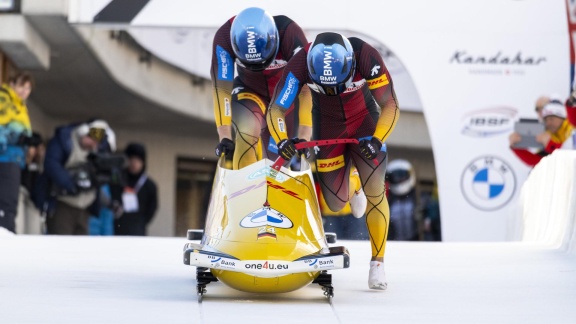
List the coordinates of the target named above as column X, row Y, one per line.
column 280, row 161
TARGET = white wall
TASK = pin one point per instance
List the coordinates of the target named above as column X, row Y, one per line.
column 547, row 207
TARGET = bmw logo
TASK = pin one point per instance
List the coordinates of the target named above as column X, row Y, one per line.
column 488, row 183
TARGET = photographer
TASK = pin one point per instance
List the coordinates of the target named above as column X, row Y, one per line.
column 15, row 131
column 70, row 173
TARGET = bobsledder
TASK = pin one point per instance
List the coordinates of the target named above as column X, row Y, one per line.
column 264, row 230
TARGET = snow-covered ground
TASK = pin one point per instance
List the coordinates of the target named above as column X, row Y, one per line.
column 143, row 280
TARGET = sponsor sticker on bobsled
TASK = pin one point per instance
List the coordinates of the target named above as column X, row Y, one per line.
column 266, row 172
column 219, row 262
column 266, row 266
column 324, row 263
column 312, row 263
column 266, row 216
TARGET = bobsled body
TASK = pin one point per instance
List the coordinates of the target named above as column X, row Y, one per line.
column 264, row 230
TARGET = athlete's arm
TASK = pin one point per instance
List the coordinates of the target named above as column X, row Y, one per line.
column 371, row 66
column 222, row 74
column 527, row 157
column 287, row 90
column 292, row 41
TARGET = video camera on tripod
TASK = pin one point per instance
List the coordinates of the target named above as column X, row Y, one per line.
column 100, row 169
column 107, row 168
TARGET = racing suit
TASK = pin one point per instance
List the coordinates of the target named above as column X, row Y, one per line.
column 241, row 101
column 368, row 107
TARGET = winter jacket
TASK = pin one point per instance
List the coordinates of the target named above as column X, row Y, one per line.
column 135, row 223
column 14, row 125
column 58, row 151
column 555, row 142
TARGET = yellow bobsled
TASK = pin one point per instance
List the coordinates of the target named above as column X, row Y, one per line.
column 264, row 232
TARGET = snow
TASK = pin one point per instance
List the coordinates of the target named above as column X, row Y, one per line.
column 49, row 279
column 4, row 232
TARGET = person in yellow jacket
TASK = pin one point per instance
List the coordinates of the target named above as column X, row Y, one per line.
column 15, row 129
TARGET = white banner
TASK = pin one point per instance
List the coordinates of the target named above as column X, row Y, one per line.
column 477, row 66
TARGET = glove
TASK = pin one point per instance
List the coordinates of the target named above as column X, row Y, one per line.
column 370, row 147
column 286, row 149
column 304, row 151
column 225, row 146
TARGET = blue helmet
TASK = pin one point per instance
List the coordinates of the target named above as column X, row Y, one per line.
column 331, row 63
column 255, row 39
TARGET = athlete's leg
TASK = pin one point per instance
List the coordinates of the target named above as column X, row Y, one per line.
column 248, row 122
column 355, row 182
column 333, row 175
column 372, row 174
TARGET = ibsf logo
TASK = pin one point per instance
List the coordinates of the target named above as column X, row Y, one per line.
column 488, row 183
column 489, row 122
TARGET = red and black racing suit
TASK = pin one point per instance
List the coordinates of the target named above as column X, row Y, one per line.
column 242, row 101
column 367, row 108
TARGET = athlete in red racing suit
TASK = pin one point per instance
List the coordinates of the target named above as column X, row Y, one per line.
column 260, row 46
column 353, row 97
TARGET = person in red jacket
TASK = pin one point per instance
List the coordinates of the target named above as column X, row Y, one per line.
column 558, row 130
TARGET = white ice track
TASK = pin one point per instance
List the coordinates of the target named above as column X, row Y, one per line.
column 143, row 280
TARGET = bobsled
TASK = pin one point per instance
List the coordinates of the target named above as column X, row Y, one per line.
column 264, row 231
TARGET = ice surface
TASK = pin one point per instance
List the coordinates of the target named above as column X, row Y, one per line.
column 45, row 279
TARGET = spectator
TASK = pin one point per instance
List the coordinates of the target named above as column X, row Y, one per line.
column 14, row 130
column 402, row 199
column 29, row 213
column 67, row 168
column 103, row 222
column 140, row 197
column 34, row 158
column 558, row 130
column 540, row 103
column 432, row 227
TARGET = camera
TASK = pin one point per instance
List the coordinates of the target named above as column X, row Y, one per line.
column 100, row 169
column 107, row 168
